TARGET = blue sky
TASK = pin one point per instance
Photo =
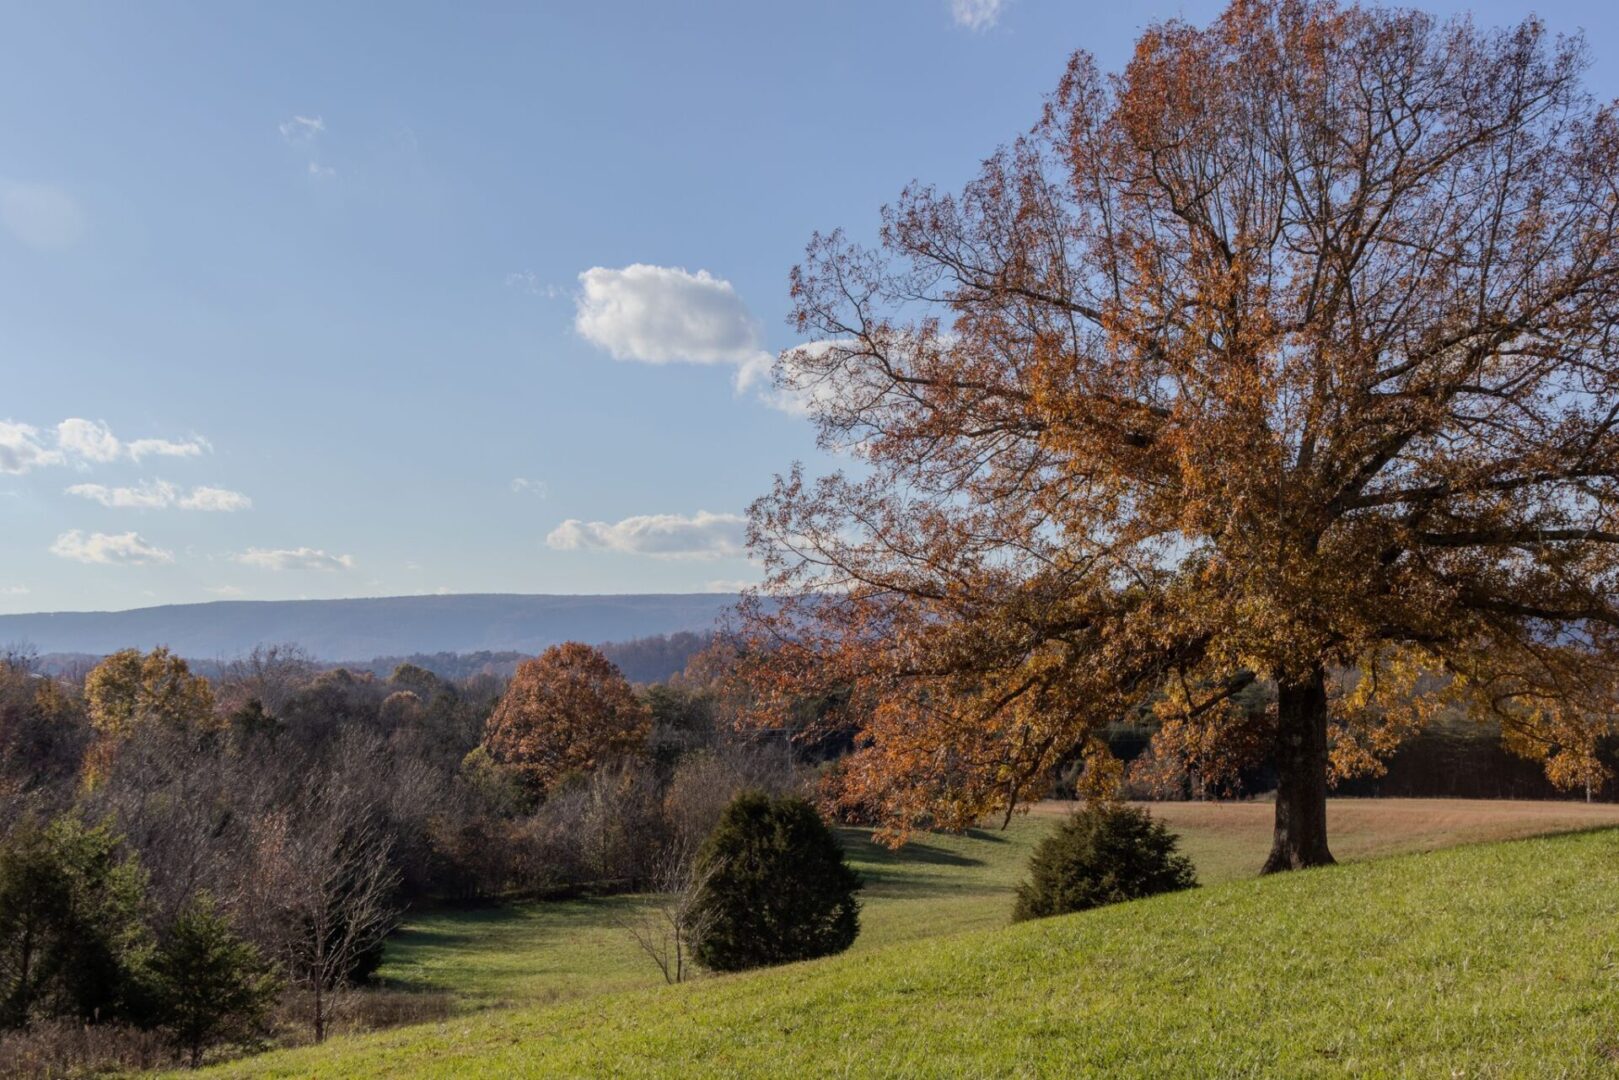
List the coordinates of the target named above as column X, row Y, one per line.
column 373, row 299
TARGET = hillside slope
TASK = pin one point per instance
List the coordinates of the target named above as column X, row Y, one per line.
column 360, row 628
column 1495, row 960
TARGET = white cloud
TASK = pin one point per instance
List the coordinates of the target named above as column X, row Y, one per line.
column 802, row 391
column 145, row 448
column 318, row 171
column 92, row 441
column 21, row 449
column 41, row 216
column 660, row 315
column 149, row 495
column 304, row 558
column 667, row 536
column 126, row 548
column 14, row 590
column 733, row 585
column 158, row 494
column 82, row 442
column 225, row 590
column 663, row 314
column 88, row 440
column 977, row 15
column 215, row 499
column 302, row 129
column 522, row 485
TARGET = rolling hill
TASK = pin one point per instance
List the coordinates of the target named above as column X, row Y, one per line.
column 1489, row 960
column 383, row 626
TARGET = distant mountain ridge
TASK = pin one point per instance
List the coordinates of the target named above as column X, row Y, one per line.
column 371, row 626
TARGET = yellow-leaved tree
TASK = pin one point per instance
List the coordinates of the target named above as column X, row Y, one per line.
column 129, row 691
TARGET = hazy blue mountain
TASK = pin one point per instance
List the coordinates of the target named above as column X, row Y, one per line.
column 384, row 626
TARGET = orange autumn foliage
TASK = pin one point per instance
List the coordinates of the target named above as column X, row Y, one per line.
column 566, row 711
column 1291, row 349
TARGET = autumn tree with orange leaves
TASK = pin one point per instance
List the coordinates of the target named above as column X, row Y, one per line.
column 566, row 711
column 1286, row 356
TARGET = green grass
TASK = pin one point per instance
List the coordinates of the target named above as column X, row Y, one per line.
column 1493, row 960
column 558, row 951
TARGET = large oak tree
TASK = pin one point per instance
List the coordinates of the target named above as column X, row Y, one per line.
column 1284, row 357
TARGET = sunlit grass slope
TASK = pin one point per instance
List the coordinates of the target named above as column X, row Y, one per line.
column 1491, row 960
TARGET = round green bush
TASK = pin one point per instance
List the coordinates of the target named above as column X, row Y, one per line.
column 1102, row 855
column 772, row 887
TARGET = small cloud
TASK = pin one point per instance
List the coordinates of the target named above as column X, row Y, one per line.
column 522, row 485
column 530, row 282
column 122, row 548
column 302, row 129
column 43, row 217
column 799, row 392
column 665, row 314
column 83, row 442
column 664, row 536
column 304, row 132
column 159, row 494
column 14, row 590
column 225, row 590
column 21, row 449
column 977, row 15
column 735, row 585
column 215, row 500
column 443, row 590
column 145, row 448
column 88, row 440
column 304, row 558
column 149, row 495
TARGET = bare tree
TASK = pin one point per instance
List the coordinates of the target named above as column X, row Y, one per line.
column 271, row 674
column 665, row 927
column 325, row 883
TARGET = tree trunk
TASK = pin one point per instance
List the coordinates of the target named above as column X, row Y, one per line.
column 1301, row 765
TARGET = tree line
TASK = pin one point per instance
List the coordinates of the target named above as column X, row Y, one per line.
column 188, row 862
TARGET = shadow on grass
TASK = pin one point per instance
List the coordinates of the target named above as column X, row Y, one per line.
column 859, row 846
column 485, row 926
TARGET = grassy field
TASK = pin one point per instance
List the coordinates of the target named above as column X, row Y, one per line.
column 554, row 952
column 558, row 951
column 1481, row 961
column 1230, row 840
